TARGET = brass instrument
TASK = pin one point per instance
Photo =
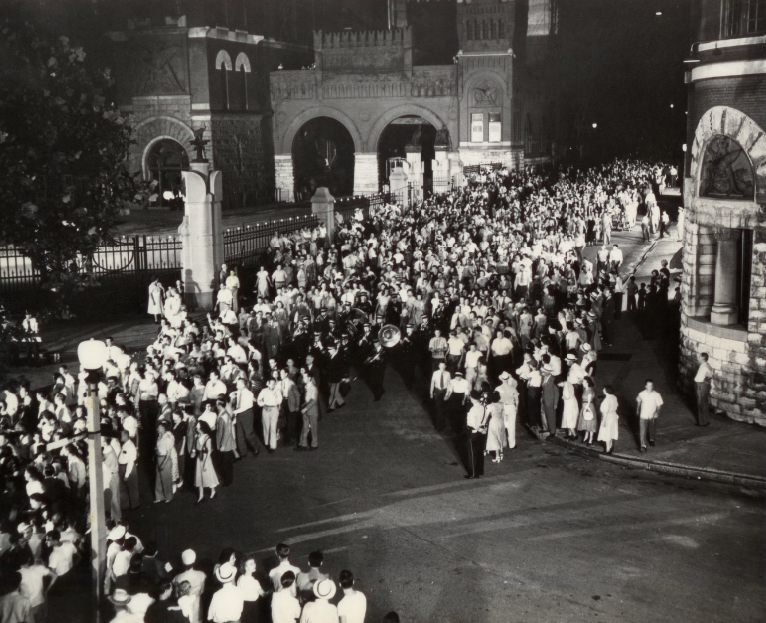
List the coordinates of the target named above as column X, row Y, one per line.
column 389, row 335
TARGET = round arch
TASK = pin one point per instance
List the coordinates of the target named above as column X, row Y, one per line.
column 323, row 155
column 286, row 144
column 739, row 127
column 152, row 129
column 164, row 160
column 405, row 110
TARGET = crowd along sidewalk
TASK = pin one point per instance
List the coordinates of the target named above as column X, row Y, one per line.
column 725, row 451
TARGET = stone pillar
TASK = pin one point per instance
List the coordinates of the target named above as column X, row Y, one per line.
column 284, row 182
column 416, row 169
column 365, row 173
column 455, row 167
column 201, row 235
column 724, row 310
column 323, row 205
column 398, row 182
column 440, row 168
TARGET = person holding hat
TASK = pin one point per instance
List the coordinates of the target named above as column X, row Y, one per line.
column 476, row 433
column 509, row 399
column 321, row 610
column 227, row 603
column 195, row 579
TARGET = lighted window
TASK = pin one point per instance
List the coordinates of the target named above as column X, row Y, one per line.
column 477, row 127
column 743, row 17
column 495, row 128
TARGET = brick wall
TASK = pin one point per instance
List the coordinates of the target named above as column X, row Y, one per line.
column 241, row 152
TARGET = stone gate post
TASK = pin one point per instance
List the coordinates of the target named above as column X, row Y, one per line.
column 323, row 205
column 201, row 235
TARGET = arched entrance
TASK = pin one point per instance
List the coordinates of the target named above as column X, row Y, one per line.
column 164, row 162
column 407, row 134
column 323, row 155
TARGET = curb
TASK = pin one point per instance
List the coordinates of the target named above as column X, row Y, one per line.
column 667, row 467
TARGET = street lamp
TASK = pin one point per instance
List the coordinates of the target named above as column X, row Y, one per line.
column 92, row 355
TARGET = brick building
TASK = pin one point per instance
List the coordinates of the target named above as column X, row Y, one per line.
column 366, row 99
column 724, row 233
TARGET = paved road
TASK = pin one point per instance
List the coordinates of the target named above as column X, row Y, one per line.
column 545, row 536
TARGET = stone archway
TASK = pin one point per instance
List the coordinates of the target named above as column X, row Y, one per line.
column 322, row 155
column 284, row 145
column 151, row 130
column 740, row 128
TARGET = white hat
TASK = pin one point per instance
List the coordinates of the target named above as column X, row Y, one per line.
column 120, row 597
column 504, row 376
column 324, row 589
column 571, row 357
column 547, row 368
column 139, row 603
column 225, row 573
column 188, row 557
column 586, row 347
column 116, row 533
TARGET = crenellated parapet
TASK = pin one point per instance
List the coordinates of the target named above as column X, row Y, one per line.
column 353, row 51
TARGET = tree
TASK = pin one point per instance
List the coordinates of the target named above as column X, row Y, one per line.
column 63, row 150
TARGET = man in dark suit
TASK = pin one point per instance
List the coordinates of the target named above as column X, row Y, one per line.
column 550, row 399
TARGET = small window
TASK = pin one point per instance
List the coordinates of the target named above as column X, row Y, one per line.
column 477, row 127
column 495, row 128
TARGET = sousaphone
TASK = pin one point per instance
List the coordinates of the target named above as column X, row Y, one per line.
column 389, row 335
column 355, row 323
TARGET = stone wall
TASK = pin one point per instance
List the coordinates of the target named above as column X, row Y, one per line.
column 737, row 355
column 241, row 154
column 697, row 281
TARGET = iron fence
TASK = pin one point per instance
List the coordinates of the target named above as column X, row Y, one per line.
column 246, row 244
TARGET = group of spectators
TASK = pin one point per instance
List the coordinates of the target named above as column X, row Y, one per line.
column 500, row 317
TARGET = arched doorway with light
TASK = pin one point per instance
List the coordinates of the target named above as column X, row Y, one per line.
column 323, row 155
column 408, row 134
column 165, row 160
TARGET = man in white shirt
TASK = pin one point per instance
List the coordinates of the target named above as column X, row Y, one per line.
column 63, row 556
column 615, row 257
column 36, row 581
column 477, row 435
column 352, row 607
column 440, row 381
column 285, row 607
column 270, row 400
column 275, row 575
column 648, row 405
column 214, row 387
column 702, row 381
column 227, row 602
column 243, row 402
column 196, row 580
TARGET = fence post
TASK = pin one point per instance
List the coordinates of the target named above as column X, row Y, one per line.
column 323, row 206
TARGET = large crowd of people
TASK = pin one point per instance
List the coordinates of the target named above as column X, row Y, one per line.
column 496, row 314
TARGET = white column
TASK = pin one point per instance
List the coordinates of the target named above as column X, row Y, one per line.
column 365, row 173
column 284, row 182
column 724, row 311
column 323, row 205
column 416, row 170
column 440, row 168
column 201, row 236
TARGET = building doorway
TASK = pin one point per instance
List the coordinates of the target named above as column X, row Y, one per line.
column 323, row 155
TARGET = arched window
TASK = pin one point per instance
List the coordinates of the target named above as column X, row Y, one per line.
column 165, row 161
column 726, row 170
column 224, row 65
column 242, row 66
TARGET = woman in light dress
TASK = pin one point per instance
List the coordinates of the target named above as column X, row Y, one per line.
column 496, row 427
column 509, row 399
column 263, row 282
column 173, row 309
column 205, row 475
column 588, row 422
column 156, row 294
column 609, row 419
column 571, row 409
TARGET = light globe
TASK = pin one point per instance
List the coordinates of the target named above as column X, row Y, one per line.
column 92, row 354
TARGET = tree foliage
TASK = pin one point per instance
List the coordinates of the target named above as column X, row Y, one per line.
column 63, row 149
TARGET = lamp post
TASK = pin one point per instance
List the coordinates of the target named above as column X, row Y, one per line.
column 92, row 355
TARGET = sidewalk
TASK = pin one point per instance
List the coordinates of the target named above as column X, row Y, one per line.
column 725, row 451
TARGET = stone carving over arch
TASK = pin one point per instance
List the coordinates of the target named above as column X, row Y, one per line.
column 291, row 129
column 153, row 129
column 733, row 123
column 402, row 111
column 488, row 77
column 242, row 61
column 223, row 58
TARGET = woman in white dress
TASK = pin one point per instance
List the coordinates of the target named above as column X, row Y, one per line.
column 609, row 419
column 509, row 399
column 495, row 428
column 263, row 282
column 156, row 293
column 571, row 409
